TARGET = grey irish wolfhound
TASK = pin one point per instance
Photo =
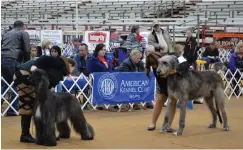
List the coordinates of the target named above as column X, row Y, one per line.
column 185, row 85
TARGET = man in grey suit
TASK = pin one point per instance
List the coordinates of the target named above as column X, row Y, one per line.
column 15, row 50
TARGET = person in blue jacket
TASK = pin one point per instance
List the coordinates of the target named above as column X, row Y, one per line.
column 236, row 62
column 98, row 61
column 81, row 60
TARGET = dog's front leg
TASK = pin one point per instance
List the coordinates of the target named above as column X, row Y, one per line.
column 49, row 132
column 169, row 116
column 39, row 131
column 183, row 104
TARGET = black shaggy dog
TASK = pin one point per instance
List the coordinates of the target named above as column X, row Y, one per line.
column 55, row 109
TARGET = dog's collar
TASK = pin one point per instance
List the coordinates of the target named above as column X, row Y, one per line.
column 173, row 72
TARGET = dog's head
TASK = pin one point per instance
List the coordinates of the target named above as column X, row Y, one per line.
column 168, row 64
column 218, row 66
column 38, row 77
column 152, row 60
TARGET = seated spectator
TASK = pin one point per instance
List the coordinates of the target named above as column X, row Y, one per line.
column 72, row 66
column 46, row 47
column 73, row 50
column 133, row 63
column 81, row 60
column 56, row 51
column 211, row 55
column 236, row 62
column 33, row 52
column 39, row 51
column 98, row 61
column 71, row 63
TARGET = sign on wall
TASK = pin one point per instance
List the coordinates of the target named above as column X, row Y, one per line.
column 227, row 40
column 92, row 38
column 35, row 37
column 55, row 36
column 68, row 36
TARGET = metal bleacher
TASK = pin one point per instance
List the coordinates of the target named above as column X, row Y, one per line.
column 177, row 15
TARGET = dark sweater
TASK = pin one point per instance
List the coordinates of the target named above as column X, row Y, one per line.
column 210, row 52
column 54, row 66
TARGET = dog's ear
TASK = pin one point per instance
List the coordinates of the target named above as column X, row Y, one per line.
column 183, row 67
column 174, row 62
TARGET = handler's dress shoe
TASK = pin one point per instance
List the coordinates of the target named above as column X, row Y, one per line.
column 27, row 139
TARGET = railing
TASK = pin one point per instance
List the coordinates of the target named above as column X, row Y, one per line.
column 231, row 81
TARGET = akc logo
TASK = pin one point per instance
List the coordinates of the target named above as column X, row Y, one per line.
column 97, row 37
column 107, row 86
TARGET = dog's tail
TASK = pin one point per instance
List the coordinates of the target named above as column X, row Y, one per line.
column 218, row 112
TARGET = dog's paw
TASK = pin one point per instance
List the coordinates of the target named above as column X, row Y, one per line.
column 64, row 136
column 166, row 129
column 212, row 126
column 58, row 138
column 50, row 143
column 226, row 128
column 89, row 133
column 87, row 137
column 39, row 142
column 162, row 130
column 178, row 132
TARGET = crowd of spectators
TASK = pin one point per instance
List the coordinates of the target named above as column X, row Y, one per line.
column 16, row 43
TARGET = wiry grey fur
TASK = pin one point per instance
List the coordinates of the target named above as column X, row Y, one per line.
column 56, row 108
column 185, row 85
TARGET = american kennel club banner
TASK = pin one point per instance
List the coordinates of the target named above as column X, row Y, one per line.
column 122, row 87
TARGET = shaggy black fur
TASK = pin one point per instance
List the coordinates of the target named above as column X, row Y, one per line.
column 56, row 108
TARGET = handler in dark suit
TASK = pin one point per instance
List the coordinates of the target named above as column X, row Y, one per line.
column 133, row 63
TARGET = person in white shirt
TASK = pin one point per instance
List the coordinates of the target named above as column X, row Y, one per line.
column 160, row 39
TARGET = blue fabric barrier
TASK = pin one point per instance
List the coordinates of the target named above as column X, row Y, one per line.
column 69, row 83
column 189, row 105
column 122, row 87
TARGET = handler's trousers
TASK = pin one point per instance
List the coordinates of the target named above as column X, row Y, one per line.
column 25, row 125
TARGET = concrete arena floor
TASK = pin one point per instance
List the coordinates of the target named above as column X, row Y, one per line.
column 128, row 130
